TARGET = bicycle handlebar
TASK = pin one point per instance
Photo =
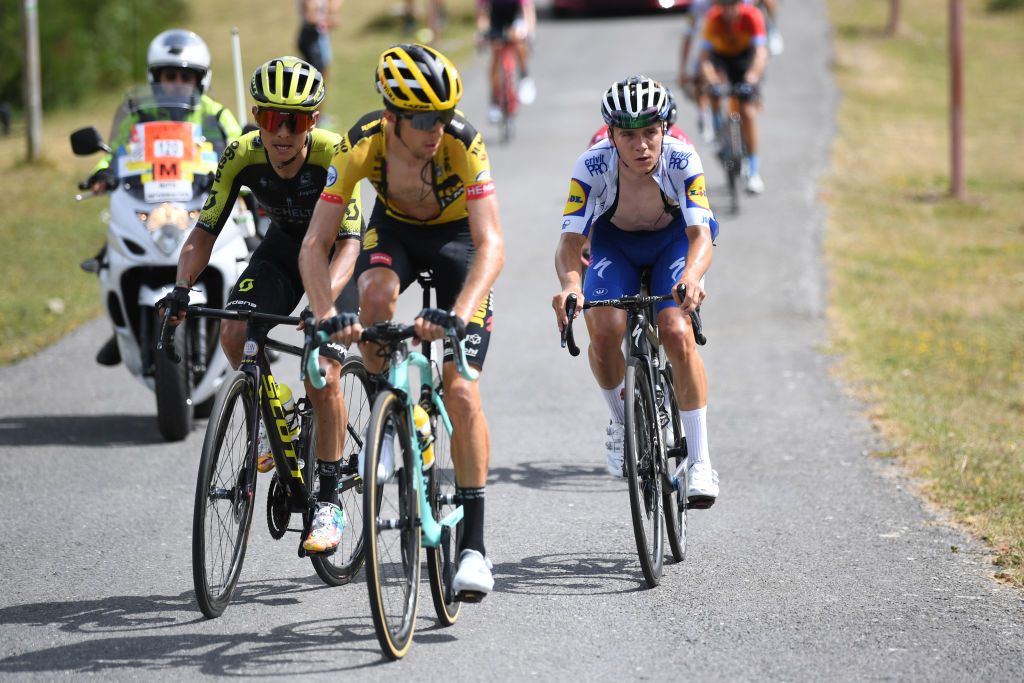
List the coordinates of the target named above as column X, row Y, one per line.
column 629, row 302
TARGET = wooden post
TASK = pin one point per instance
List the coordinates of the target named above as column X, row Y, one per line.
column 33, row 99
column 894, row 17
column 956, row 81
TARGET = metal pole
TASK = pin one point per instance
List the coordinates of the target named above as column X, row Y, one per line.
column 33, row 98
column 236, row 48
column 956, row 65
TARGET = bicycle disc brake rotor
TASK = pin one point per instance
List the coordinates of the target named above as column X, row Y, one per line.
column 277, row 509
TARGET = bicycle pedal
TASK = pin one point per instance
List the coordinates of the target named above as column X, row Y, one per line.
column 470, row 596
column 700, row 502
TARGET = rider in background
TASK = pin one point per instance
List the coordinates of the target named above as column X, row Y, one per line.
column 734, row 51
column 436, row 209
column 285, row 162
column 770, row 9
column 178, row 62
column 514, row 21
column 642, row 196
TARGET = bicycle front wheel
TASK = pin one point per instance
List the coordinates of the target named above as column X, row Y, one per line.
column 224, row 495
column 674, row 498
column 339, row 568
column 441, row 560
column 391, row 522
column 641, row 453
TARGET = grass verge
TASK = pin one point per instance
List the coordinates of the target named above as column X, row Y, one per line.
column 927, row 298
column 44, row 233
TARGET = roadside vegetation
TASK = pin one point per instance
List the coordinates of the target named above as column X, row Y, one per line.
column 44, row 233
column 927, row 297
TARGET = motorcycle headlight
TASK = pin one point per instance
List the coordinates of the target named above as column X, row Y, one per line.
column 167, row 225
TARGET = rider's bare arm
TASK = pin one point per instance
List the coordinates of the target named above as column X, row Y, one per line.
column 316, row 246
column 568, row 268
column 489, row 244
column 343, row 264
column 756, row 69
column 698, row 260
column 195, row 255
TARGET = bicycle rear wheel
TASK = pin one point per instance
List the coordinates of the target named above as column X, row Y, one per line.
column 734, row 161
column 224, row 495
column 392, row 533
column 642, row 470
column 441, row 560
column 339, row 568
column 674, row 498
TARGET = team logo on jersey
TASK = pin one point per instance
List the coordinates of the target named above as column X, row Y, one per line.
column 696, row 196
column 576, row 205
column 370, row 239
column 246, row 285
column 332, row 175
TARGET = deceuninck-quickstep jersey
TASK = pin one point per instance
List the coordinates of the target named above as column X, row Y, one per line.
column 289, row 202
column 594, row 187
column 460, row 172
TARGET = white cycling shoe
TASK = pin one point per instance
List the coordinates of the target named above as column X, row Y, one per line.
column 527, row 91
column 614, row 449
column 386, row 464
column 701, row 486
column 494, row 114
column 474, row 576
column 755, row 185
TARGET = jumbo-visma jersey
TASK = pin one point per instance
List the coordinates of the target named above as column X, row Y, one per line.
column 595, row 182
column 461, row 170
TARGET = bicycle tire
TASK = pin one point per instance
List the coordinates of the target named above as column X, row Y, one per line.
column 674, row 499
column 642, row 471
column 735, row 165
column 392, row 554
column 338, row 568
column 224, row 497
column 441, row 494
column 172, row 386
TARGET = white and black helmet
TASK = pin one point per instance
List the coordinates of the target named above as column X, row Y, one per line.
column 635, row 102
column 183, row 49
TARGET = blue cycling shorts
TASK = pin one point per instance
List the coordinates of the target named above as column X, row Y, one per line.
column 618, row 258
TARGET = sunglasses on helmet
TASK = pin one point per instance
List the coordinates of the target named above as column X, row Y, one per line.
column 428, row 119
column 271, row 119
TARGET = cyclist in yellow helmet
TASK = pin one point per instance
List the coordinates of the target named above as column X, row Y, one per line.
column 285, row 163
column 436, row 209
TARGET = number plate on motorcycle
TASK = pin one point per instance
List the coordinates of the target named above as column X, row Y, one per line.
column 167, row 191
column 169, row 148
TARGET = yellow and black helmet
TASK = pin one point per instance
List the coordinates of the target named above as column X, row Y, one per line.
column 287, row 83
column 414, row 77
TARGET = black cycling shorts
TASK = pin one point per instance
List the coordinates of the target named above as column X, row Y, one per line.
column 502, row 18
column 271, row 283
column 446, row 251
column 735, row 68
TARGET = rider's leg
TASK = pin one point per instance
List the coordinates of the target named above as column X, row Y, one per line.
column 331, row 414
column 232, row 339
column 378, row 295
column 606, row 327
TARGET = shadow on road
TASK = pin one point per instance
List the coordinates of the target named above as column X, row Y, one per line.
column 79, row 430
column 556, row 476
column 571, row 574
column 313, row 646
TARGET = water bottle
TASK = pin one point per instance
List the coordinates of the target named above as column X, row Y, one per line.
column 291, row 415
column 422, row 422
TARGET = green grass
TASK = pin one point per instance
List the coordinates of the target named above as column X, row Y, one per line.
column 927, row 298
column 45, row 233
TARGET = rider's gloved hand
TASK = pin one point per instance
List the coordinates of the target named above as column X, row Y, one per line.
column 339, row 322
column 101, row 181
column 746, row 90
column 445, row 319
column 174, row 304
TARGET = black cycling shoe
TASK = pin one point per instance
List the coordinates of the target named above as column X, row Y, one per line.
column 109, row 354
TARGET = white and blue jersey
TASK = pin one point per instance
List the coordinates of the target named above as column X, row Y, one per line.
column 619, row 257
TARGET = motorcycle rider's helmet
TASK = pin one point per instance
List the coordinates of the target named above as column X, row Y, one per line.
column 287, row 83
column 414, row 77
column 183, row 49
column 635, row 102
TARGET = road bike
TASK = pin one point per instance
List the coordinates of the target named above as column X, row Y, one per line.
column 506, row 94
column 226, row 484
column 655, row 448
column 415, row 504
column 732, row 150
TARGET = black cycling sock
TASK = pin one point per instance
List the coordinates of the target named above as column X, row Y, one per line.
column 472, row 501
column 328, row 481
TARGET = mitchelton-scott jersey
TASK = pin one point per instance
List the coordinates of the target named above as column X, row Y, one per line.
column 595, row 183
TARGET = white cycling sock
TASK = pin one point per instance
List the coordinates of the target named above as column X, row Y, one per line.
column 616, row 404
column 695, row 424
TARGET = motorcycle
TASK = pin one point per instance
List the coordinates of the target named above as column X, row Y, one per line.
column 163, row 173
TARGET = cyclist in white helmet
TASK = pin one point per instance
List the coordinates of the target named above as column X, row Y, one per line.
column 640, row 195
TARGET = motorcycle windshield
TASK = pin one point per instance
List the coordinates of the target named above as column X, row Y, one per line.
column 161, row 154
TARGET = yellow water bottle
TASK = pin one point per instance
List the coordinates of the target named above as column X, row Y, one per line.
column 291, row 415
column 422, row 422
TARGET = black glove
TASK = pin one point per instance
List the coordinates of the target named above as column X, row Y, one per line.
column 175, row 302
column 445, row 319
column 339, row 322
column 746, row 90
column 105, row 176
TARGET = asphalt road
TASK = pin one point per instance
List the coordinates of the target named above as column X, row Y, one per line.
column 816, row 563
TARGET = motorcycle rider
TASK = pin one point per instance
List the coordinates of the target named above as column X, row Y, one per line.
column 286, row 164
column 178, row 63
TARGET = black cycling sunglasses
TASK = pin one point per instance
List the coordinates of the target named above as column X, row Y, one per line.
column 428, row 119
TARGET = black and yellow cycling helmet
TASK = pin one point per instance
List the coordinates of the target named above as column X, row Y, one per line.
column 414, row 77
column 287, row 83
